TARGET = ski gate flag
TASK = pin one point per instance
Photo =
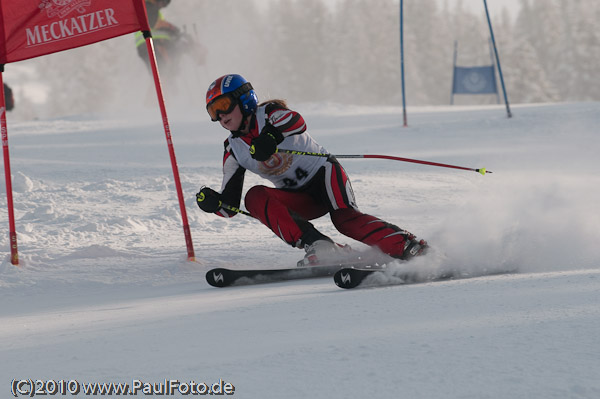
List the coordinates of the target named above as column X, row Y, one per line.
column 31, row 28
column 474, row 80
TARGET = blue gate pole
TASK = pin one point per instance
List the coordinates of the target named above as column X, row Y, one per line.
column 402, row 60
column 454, row 72
column 492, row 60
column 497, row 58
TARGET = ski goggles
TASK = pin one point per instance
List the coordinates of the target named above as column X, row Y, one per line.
column 225, row 103
column 221, row 105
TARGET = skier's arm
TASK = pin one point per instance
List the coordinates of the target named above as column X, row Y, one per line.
column 280, row 123
column 286, row 121
column 233, row 182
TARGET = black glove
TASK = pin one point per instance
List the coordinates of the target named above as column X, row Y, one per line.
column 208, row 200
column 265, row 145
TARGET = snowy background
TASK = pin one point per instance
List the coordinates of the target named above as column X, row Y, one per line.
column 105, row 294
column 309, row 51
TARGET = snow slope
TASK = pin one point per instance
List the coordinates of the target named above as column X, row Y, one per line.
column 105, row 293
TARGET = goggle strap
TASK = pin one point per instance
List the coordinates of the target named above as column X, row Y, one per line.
column 243, row 89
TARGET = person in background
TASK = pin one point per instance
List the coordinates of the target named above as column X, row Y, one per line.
column 170, row 43
column 9, row 98
column 306, row 187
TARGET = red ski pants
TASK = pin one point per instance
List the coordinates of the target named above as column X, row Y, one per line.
column 287, row 212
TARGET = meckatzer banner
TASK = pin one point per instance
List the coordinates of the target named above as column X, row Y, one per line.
column 31, row 28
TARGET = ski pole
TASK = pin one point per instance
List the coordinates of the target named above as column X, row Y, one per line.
column 200, row 197
column 234, row 209
column 483, row 171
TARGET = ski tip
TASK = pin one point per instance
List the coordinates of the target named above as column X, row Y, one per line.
column 218, row 277
column 349, row 278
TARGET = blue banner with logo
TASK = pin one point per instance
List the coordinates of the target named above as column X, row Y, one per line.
column 474, row 80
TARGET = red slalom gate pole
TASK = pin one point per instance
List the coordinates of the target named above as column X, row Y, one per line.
column 14, row 254
column 163, row 111
column 483, row 171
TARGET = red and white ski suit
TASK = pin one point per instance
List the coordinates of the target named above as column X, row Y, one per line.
column 306, row 187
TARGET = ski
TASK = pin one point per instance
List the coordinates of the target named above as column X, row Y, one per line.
column 222, row 277
column 349, row 277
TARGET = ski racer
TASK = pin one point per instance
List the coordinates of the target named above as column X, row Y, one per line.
column 170, row 43
column 306, row 187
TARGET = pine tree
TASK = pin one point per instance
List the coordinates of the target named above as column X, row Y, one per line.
column 526, row 79
column 304, row 50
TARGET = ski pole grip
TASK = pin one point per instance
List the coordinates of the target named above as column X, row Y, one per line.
column 201, row 197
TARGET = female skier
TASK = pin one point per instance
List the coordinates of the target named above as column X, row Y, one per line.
column 306, row 187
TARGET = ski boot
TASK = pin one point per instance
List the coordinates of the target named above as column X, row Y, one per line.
column 323, row 252
column 413, row 247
